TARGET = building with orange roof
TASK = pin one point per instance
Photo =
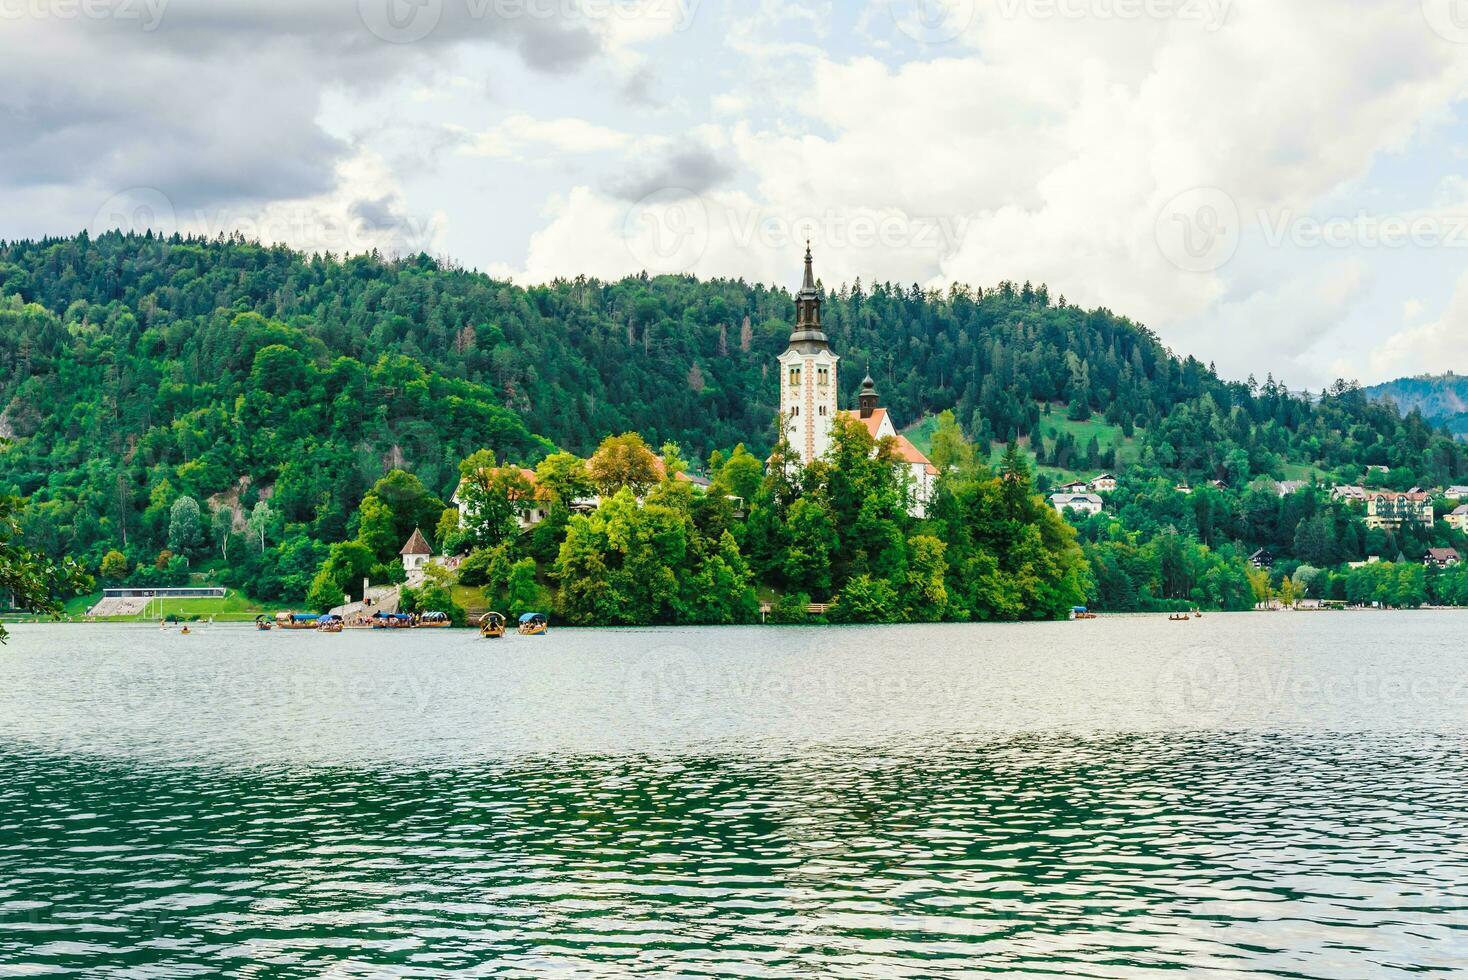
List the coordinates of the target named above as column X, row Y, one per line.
column 922, row 474
column 1386, row 509
column 808, row 389
column 537, row 508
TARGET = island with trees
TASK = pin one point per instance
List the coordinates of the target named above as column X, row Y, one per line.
column 179, row 410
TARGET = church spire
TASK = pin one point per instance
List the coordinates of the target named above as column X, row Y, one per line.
column 808, row 337
column 867, row 400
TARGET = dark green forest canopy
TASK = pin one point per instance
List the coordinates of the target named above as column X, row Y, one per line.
column 135, row 369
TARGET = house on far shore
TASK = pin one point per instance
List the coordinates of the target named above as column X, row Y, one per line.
column 1081, row 503
column 1442, row 557
column 1103, row 483
column 1458, row 519
column 1263, row 558
column 1077, row 486
column 1286, row 488
column 1348, row 492
column 1386, row 509
column 536, row 508
column 1458, row 493
column 1184, row 489
column 1218, row 484
column 416, row 554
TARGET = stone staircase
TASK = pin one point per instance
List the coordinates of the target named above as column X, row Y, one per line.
column 379, row 598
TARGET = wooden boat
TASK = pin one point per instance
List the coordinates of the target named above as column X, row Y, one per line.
column 492, row 626
column 296, row 621
column 1081, row 612
column 534, row 624
column 263, row 625
column 1180, row 618
column 185, row 631
column 391, row 621
column 434, row 620
column 329, row 624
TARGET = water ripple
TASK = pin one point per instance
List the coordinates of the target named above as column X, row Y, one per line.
column 194, row 842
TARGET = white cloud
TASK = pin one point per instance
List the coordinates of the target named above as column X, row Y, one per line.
column 1042, row 143
column 1051, row 144
column 520, row 134
column 1429, row 347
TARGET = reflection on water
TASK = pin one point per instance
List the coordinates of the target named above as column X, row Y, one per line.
column 1046, row 801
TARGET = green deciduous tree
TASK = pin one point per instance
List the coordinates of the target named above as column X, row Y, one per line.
column 624, row 462
column 185, row 530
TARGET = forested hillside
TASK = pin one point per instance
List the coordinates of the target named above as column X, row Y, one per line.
column 135, row 371
column 1441, row 398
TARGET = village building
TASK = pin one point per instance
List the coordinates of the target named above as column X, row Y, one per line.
column 1348, row 493
column 1082, row 503
column 1442, row 557
column 1458, row 519
column 1386, row 509
column 1262, row 559
column 1458, row 492
column 1287, row 488
column 416, row 555
column 1184, row 489
column 1078, row 486
column 537, row 508
column 528, row 516
column 1103, row 483
column 808, row 386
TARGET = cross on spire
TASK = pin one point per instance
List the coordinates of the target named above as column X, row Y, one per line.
column 808, row 335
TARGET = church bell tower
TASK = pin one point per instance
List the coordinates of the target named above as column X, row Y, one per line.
column 808, row 376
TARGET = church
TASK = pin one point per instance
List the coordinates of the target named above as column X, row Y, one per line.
column 808, row 386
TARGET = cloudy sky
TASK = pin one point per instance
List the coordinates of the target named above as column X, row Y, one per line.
column 1274, row 186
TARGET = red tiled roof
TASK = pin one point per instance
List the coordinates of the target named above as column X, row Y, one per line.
column 873, row 423
column 905, row 449
column 912, row 454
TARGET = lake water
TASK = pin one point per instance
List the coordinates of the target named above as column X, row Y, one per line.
column 1278, row 795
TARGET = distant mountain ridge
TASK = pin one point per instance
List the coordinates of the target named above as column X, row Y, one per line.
column 1441, row 398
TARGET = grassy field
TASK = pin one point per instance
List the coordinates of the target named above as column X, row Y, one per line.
column 468, row 596
column 1052, row 425
column 234, row 607
column 1304, row 471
